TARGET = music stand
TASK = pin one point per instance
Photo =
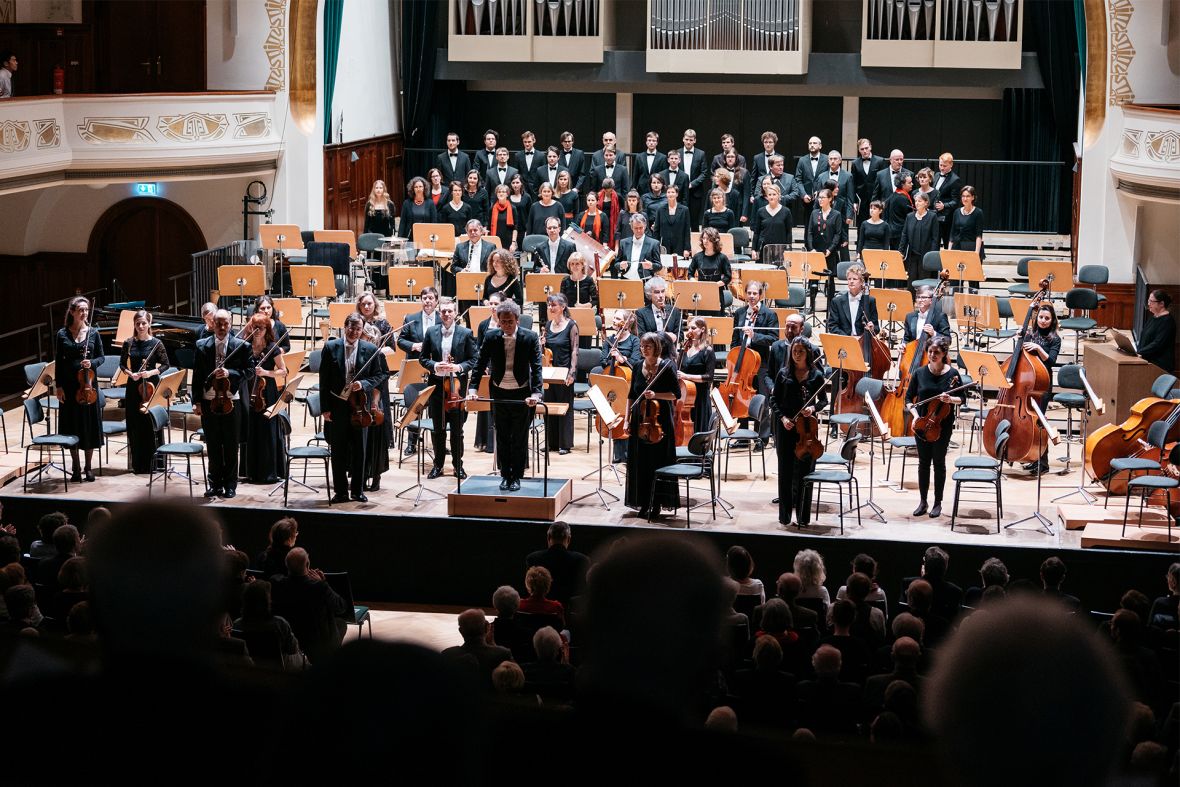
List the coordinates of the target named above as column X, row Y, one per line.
column 618, row 293
column 126, row 328
column 845, row 353
column 469, row 286
column 539, row 286
column 962, row 265
column 606, row 414
column 697, row 296
column 312, row 282
column 396, row 312
column 1020, row 307
column 884, row 264
column 777, row 285
column 892, row 302
column 799, row 264
column 434, row 241
column 783, row 314
column 338, row 312
column 414, row 413
column 407, row 281
column 280, row 238
column 726, row 421
column 720, row 330
column 477, row 314
column 985, row 369
column 247, row 280
column 586, row 319
column 1094, row 403
column 413, row 371
column 1056, row 271
column 875, row 417
column 289, row 310
column 337, row 236
column 1047, row 431
column 614, row 392
column 976, row 313
column 293, row 360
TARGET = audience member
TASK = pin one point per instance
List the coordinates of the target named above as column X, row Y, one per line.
column 11, row 575
column 869, row 623
column 731, row 617
column 920, row 597
column 867, row 565
column 767, row 693
column 993, row 573
column 549, row 677
column 43, row 546
column 80, row 623
column 507, row 678
column 1165, row 610
column 567, row 567
column 904, row 625
column 73, row 587
column 273, row 559
column 231, row 649
column 722, row 719
column 538, row 581
column 788, row 588
column 740, row 566
column 906, row 653
column 9, row 550
column 886, row 728
column 258, row 622
column 855, row 653
column 23, row 612
column 316, row 612
column 828, row 704
column 66, row 541
column 475, row 653
column 236, row 563
column 508, row 630
column 1140, row 664
column 1052, row 575
column 948, row 597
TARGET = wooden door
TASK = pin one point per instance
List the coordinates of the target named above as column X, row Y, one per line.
column 149, row 46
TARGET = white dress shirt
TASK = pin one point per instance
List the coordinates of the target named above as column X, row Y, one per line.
column 853, row 310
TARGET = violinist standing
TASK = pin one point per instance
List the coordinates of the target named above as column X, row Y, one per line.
column 78, row 348
column 220, row 356
column 799, row 380
column 620, row 349
column 345, row 368
column 377, row 331
column 933, row 381
column 143, row 359
column 264, row 448
column 448, row 353
column 653, row 383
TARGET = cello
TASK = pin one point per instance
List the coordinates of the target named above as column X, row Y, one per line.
column 682, row 412
column 1029, row 379
column 878, row 358
column 613, row 369
column 913, row 357
column 741, row 369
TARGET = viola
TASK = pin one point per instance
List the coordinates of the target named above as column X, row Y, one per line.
column 223, row 398
column 1029, row 380
column 145, row 385
column 87, row 393
column 453, row 398
column 809, row 443
column 650, row 430
column 929, row 426
column 258, row 390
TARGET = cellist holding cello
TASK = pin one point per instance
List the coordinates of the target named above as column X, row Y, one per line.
column 755, row 327
column 798, row 396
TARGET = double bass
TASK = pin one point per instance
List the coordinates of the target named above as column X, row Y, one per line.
column 1029, row 380
column 1124, row 440
column 913, row 357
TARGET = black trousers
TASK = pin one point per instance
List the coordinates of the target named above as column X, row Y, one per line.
column 348, row 453
column 221, row 439
column 559, row 429
column 438, row 435
column 791, row 496
column 512, row 430
column 933, row 454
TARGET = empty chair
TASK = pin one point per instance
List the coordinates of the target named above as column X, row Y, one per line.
column 758, row 411
column 700, row 447
column 818, row 478
column 931, row 265
column 1085, row 300
column 339, row 581
column 169, row 451
column 35, row 414
column 982, row 476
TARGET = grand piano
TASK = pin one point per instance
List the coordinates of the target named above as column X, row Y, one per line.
column 177, row 331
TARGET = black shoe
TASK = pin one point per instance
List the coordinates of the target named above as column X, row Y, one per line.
column 435, row 472
column 514, row 485
column 274, row 479
column 504, row 482
column 339, row 497
column 411, row 449
column 563, row 451
column 936, row 511
column 460, row 473
column 229, row 494
column 213, row 491
column 360, row 497
column 488, row 451
column 87, row 475
column 921, row 509
column 774, row 502
column 374, row 485
column 76, row 476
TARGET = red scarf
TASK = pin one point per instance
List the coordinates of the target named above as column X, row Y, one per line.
column 597, row 230
column 612, row 216
column 905, row 194
column 497, row 210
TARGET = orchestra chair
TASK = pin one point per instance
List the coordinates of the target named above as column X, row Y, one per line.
column 817, row 478
column 931, row 265
column 1069, row 377
column 112, row 429
column 313, row 408
column 1004, row 312
column 169, row 451
column 35, row 414
column 856, row 422
column 1022, row 288
column 1085, row 300
column 1157, row 437
column 369, row 242
column 339, row 581
column 335, row 256
column 304, row 393
column 983, row 462
column 982, row 476
column 108, row 372
column 700, row 447
column 33, row 372
column 305, row 454
column 1145, row 485
column 909, row 447
column 741, row 242
column 1094, row 275
column 758, row 410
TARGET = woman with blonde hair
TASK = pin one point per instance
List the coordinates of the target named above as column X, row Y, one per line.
column 809, row 567
column 379, row 211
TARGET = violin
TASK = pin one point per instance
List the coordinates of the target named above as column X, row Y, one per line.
column 809, row 442
column 913, row 357
column 258, row 391
column 145, row 385
column 649, row 430
column 682, row 417
column 929, row 426
column 223, row 398
column 366, row 409
column 1029, row 380
column 453, row 399
column 87, row 393
column 741, row 369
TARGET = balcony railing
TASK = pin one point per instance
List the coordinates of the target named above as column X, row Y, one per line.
column 735, row 36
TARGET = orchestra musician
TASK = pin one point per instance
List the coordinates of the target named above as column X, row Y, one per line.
column 448, row 351
column 594, row 222
column 561, row 339
column 511, row 355
column 710, row 264
column 78, row 347
column 697, row 367
column 456, row 211
column 207, row 312
column 623, row 350
column 220, row 356
column 934, row 381
column 780, row 350
column 578, row 287
column 631, row 205
column 503, row 277
column 918, row 236
column 826, row 233
column 756, row 326
column 417, row 208
column 608, row 203
column 673, row 227
column 658, row 316
column 926, row 318
column 654, row 386
column 376, row 330
column 1043, row 341
column 855, row 311
column 719, row 215
column 639, row 253
column 506, row 221
column 1157, row 340
column 410, row 339
column 265, row 305
column 348, row 366
column 554, row 253
column 470, row 256
column 800, row 378
column 143, row 358
column 264, row 444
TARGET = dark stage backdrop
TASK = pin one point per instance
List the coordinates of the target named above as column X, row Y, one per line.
column 968, row 128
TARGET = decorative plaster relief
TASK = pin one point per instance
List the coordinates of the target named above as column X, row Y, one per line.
column 1131, row 139
column 1121, row 52
column 14, row 136
column 251, row 125
column 275, row 45
column 48, row 133
column 1162, row 145
column 97, row 131
column 193, row 127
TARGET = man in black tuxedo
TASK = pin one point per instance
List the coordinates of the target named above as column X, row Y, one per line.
column 844, row 198
column 549, row 169
column 639, row 255
column 608, row 143
column 610, row 168
column 346, row 367
column 696, row 165
column 809, row 172
column 658, row 316
column 512, row 356
column 486, row 158
column 854, row 311
column 452, row 162
column 470, row 256
column 448, row 351
column 555, row 252
column 674, row 175
column 927, row 318
column 762, row 160
column 727, row 144
column 411, row 337
column 220, row 356
column 649, row 162
column 528, row 159
column 755, row 325
column 501, row 173
column 947, row 186
column 574, row 160
column 864, row 177
column 889, row 178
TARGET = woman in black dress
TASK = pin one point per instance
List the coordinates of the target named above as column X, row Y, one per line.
column 505, row 221
column 418, row 208
column 78, row 347
column 755, row 201
column 874, row 232
column 1043, row 341
column 594, row 222
column 503, row 277
column 898, row 205
column 794, row 386
column 518, row 195
column 696, row 366
column 673, row 225
column 919, row 236
column 826, row 230
column 709, row 264
column 476, row 196
column 264, row 451
column 631, row 205
column 652, row 201
column 967, row 224
column 266, row 305
column 578, row 286
column 438, row 189
column 718, row 215
column 653, row 384
column 1157, row 340
column 376, row 329
column 567, row 197
column 456, row 211
column 934, row 379
column 143, row 360
column 379, row 211
column 735, row 188
column 772, row 223
column 560, row 337
column 543, row 208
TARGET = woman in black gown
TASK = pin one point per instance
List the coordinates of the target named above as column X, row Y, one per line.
column 653, row 384
column 567, row 197
column 503, row 277
column 456, row 211
column 1157, row 340
column 918, row 237
column 874, row 232
column 505, row 220
column 264, row 452
column 542, row 209
column 967, row 224
column 594, row 222
column 418, row 208
column 143, row 360
column 379, row 211
column 696, row 367
column 518, row 195
column 709, row 264
column 631, row 205
column 826, row 233
column 718, row 215
column 794, row 385
column 560, row 336
column 476, row 196
column 772, row 224
column 619, row 350
column 78, row 347
column 934, row 379
column 380, row 437
column 578, row 286
column 266, row 305
column 674, row 225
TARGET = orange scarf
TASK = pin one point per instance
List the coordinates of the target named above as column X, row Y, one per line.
column 497, row 210
column 612, row 217
column 597, row 231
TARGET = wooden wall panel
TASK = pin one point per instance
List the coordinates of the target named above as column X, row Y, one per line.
column 347, row 183
column 1119, row 311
